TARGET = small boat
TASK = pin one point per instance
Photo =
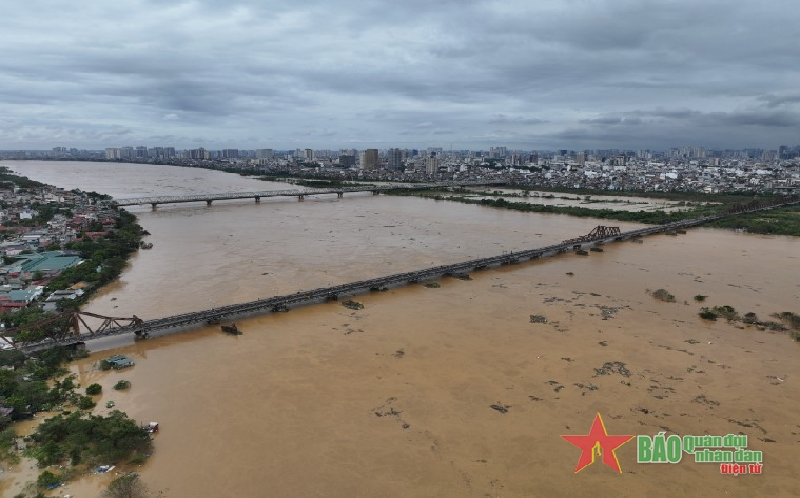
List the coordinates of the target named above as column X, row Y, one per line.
column 231, row 329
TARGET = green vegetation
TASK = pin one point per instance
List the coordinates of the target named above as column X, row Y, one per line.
column 47, row 479
column 650, row 217
column 7, row 448
column 707, row 314
column 127, row 486
column 86, row 403
column 104, row 258
column 663, row 295
column 700, row 298
column 73, row 440
column 25, row 390
column 750, row 318
column 789, row 322
column 778, row 221
column 89, row 439
column 7, row 176
column 793, row 321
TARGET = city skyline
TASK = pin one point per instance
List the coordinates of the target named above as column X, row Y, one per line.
column 467, row 75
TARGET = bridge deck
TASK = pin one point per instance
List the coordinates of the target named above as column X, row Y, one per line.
column 174, row 199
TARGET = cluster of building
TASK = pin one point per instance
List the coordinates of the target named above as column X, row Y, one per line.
column 679, row 168
column 31, row 251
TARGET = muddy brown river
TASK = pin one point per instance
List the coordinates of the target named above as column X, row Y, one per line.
column 395, row 400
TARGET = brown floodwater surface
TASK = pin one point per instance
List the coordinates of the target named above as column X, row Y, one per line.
column 394, row 400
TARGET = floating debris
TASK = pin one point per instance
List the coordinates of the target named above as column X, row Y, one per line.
column 353, row 305
column 612, row 367
column 538, row 319
column 500, row 407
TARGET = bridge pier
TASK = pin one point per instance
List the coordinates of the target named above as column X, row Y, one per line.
column 300, row 198
column 258, row 199
column 208, row 202
column 339, row 194
column 154, row 204
column 375, row 192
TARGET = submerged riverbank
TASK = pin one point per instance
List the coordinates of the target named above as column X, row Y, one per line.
column 779, row 221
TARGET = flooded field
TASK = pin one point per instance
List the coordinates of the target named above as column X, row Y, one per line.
column 396, row 399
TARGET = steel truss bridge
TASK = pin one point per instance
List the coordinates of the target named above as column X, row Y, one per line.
column 65, row 328
column 300, row 194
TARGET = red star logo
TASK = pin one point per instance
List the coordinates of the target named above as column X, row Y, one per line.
column 596, row 439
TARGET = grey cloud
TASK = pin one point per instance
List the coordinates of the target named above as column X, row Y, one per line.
column 550, row 73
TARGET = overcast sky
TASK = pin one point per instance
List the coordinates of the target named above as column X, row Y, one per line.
column 529, row 74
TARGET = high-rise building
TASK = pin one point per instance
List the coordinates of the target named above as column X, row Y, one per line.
column 368, row 159
column 431, row 165
column 265, row 154
column 347, row 161
column 395, row 159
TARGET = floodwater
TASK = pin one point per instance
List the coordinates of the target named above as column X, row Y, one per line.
column 618, row 203
column 394, row 400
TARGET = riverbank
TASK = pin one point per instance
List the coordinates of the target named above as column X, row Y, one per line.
column 59, row 248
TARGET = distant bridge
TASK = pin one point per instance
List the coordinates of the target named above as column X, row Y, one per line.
column 300, row 194
column 64, row 328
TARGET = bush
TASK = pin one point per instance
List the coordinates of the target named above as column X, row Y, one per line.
column 105, row 365
column 708, row 315
column 94, row 389
column 700, row 298
column 47, row 479
column 122, row 384
column 127, row 486
column 727, row 312
column 86, row 403
column 663, row 295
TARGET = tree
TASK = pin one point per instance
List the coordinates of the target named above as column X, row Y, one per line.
column 127, row 486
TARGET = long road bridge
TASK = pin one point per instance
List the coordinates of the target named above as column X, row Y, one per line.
column 65, row 328
column 301, row 194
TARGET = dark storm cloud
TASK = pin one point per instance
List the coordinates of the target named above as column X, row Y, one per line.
column 547, row 74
